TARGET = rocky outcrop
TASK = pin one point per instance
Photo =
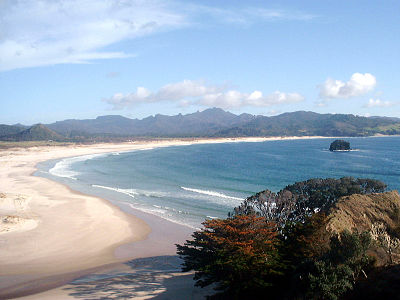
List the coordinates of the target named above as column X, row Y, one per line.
column 339, row 145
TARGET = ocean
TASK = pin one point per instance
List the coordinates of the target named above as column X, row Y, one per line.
column 188, row 184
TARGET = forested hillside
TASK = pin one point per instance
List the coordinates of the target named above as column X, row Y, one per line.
column 213, row 122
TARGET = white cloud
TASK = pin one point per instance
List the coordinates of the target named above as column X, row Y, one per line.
column 47, row 32
column 248, row 15
column 359, row 84
column 189, row 92
column 226, row 99
column 120, row 100
column 185, row 89
column 279, row 14
column 183, row 92
column 378, row 103
column 257, row 99
column 232, row 99
column 37, row 33
column 273, row 112
column 320, row 104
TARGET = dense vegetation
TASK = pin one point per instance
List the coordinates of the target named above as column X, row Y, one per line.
column 218, row 123
column 10, row 129
column 304, row 123
column 276, row 246
column 38, row 132
column 382, row 283
column 298, row 201
column 339, row 145
column 239, row 254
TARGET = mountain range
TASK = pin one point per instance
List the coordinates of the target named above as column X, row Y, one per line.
column 213, row 122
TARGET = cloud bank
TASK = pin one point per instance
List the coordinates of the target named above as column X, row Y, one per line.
column 49, row 32
column 358, row 85
column 38, row 33
column 378, row 103
column 189, row 92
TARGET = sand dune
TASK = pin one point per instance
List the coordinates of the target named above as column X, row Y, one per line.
column 14, row 214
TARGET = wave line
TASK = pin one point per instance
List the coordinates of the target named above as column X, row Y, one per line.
column 210, row 193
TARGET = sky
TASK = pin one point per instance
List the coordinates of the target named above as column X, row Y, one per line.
column 79, row 59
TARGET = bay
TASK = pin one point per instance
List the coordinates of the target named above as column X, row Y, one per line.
column 187, row 184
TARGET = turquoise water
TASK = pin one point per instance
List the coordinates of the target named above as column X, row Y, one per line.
column 187, row 184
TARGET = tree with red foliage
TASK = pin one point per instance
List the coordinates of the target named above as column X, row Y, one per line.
column 239, row 254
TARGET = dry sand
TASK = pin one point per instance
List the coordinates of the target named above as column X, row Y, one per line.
column 50, row 234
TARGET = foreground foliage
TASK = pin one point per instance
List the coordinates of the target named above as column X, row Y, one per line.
column 247, row 259
column 338, row 269
column 275, row 241
column 382, row 283
column 298, row 201
column 239, row 254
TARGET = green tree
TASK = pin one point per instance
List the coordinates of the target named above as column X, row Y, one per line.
column 337, row 271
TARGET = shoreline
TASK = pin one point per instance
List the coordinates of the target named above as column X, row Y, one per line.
column 64, row 217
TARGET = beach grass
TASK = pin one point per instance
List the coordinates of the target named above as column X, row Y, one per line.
column 28, row 144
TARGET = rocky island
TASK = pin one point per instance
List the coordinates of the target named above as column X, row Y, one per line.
column 339, row 145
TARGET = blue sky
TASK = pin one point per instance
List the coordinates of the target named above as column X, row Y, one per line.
column 82, row 59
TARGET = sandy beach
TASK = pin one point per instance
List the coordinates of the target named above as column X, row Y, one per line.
column 50, row 235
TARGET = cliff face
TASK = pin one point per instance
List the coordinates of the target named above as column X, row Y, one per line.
column 376, row 213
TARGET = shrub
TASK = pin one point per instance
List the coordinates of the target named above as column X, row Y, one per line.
column 298, row 201
column 337, row 271
column 239, row 254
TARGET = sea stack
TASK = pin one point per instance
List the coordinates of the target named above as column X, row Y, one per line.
column 339, row 145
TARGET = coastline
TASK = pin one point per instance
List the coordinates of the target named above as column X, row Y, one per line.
column 59, row 231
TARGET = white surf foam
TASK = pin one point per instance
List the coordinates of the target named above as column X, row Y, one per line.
column 351, row 150
column 151, row 194
column 63, row 167
column 162, row 214
column 133, row 192
column 210, row 193
column 129, row 192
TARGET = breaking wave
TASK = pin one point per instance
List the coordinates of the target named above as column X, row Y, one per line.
column 210, row 193
column 63, row 167
column 132, row 192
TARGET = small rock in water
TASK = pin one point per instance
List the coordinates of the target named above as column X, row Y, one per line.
column 340, row 145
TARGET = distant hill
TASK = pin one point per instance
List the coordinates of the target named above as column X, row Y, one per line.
column 302, row 123
column 216, row 122
column 37, row 132
column 213, row 122
column 205, row 123
column 10, row 129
